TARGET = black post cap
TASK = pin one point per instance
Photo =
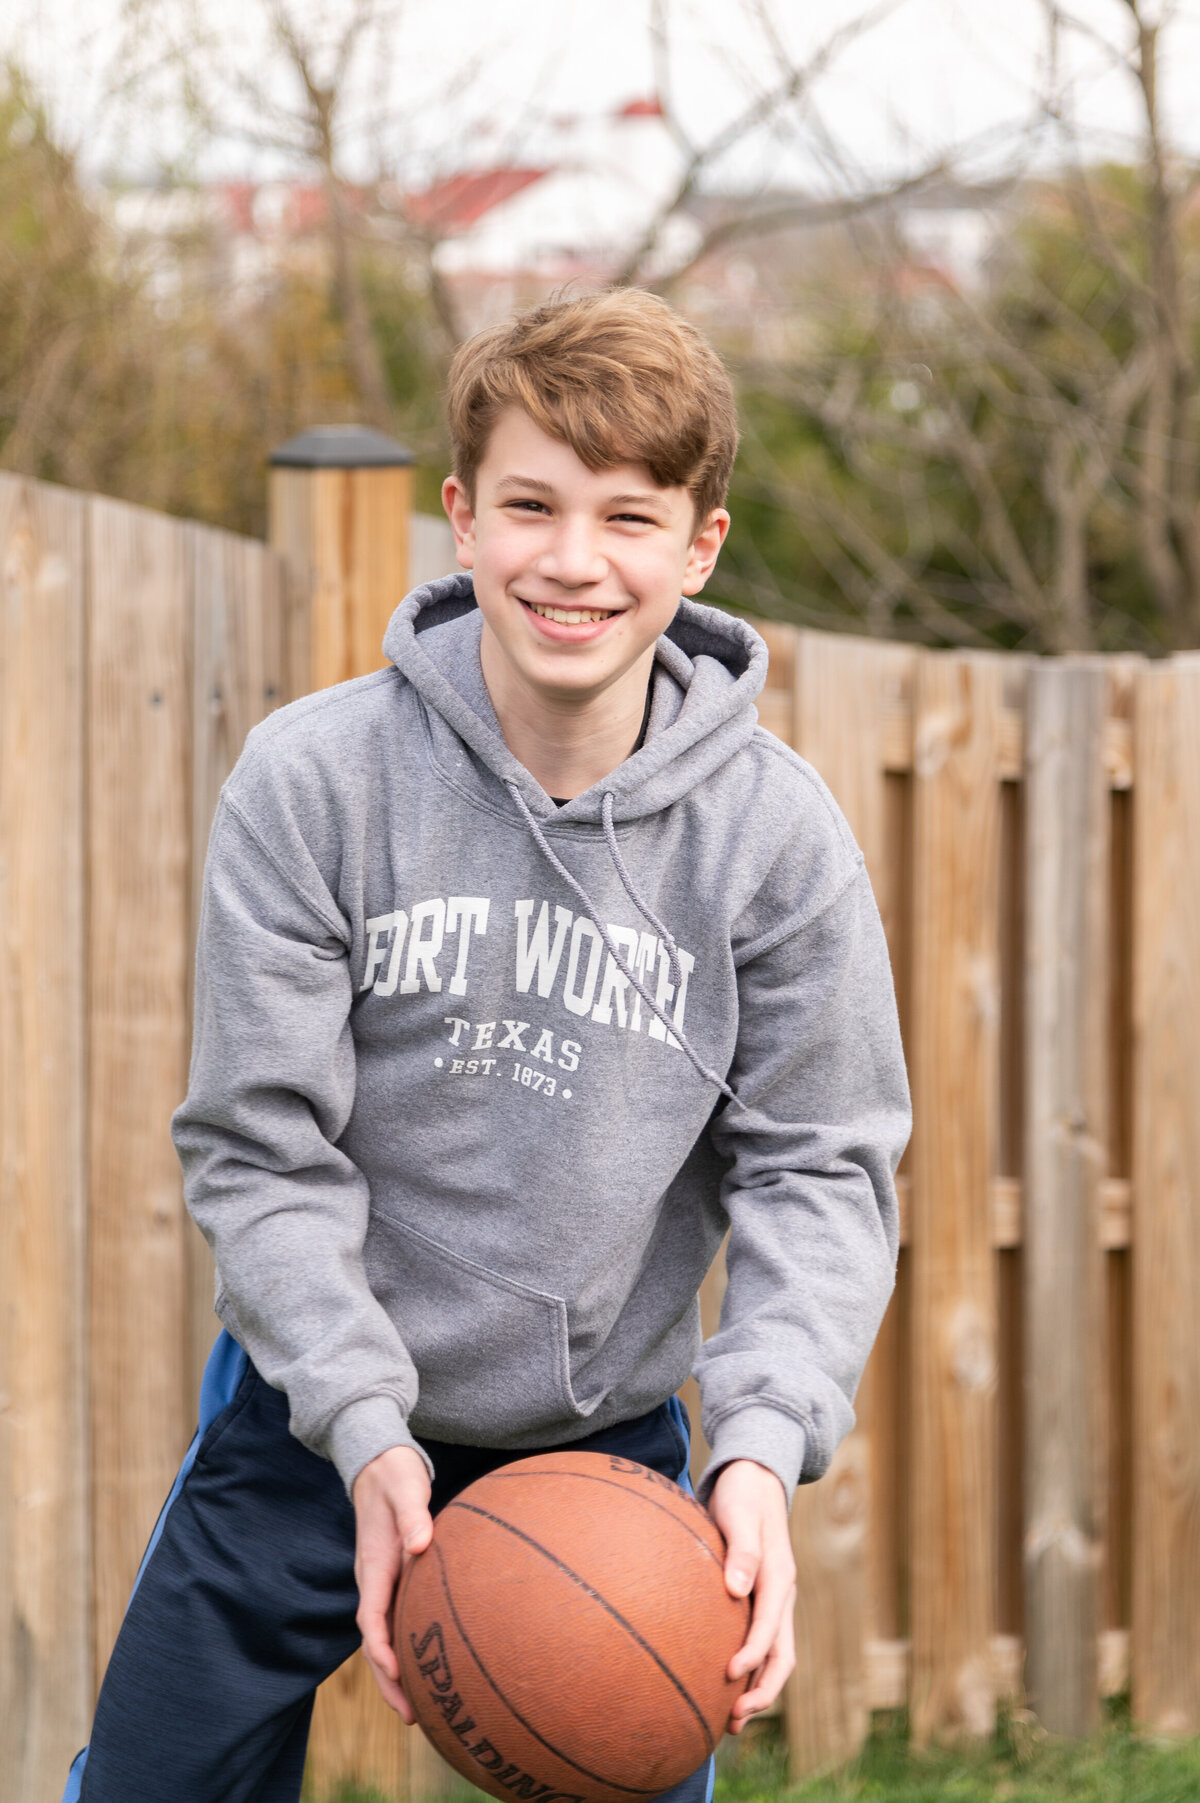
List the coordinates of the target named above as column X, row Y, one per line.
column 341, row 448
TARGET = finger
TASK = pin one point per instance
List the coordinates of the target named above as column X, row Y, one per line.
column 772, row 1601
column 377, row 1644
column 391, row 1691
column 376, row 1589
column 378, row 1569
column 770, row 1679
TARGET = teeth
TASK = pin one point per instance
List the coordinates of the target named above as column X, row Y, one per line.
column 571, row 616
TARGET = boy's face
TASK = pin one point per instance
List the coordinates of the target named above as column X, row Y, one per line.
column 577, row 571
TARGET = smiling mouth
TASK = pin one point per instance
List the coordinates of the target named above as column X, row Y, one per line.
column 571, row 616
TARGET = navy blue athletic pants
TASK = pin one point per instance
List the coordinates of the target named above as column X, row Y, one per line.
column 246, row 1600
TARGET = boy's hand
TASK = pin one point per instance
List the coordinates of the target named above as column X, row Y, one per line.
column 391, row 1507
column 749, row 1506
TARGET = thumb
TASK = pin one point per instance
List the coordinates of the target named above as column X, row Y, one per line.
column 743, row 1556
column 414, row 1525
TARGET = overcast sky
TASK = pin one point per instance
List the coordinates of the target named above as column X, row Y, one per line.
column 932, row 73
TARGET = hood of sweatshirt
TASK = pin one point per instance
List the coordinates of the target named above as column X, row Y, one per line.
column 709, row 668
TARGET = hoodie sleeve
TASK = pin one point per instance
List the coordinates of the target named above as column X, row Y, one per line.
column 810, row 1192
column 284, row 1210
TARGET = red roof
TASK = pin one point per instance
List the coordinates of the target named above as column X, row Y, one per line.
column 299, row 207
column 649, row 108
column 456, row 203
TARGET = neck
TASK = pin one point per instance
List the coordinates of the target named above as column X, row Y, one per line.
column 566, row 741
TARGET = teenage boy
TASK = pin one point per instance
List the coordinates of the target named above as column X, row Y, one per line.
column 528, row 968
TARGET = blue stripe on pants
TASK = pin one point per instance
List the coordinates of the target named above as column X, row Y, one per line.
column 245, row 1602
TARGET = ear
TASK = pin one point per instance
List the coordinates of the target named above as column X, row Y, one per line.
column 461, row 515
column 702, row 554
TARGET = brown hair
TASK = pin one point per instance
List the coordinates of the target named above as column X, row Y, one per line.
column 618, row 376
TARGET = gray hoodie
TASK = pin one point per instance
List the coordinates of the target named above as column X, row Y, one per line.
column 479, row 1084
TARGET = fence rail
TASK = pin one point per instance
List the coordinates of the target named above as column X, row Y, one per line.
column 1018, row 1508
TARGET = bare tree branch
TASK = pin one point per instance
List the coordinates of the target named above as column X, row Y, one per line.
column 750, row 222
column 759, row 112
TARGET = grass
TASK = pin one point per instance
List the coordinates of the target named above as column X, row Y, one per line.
column 1019, row 1766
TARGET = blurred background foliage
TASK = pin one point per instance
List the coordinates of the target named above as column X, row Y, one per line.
column 169, row 399
column 991, row 449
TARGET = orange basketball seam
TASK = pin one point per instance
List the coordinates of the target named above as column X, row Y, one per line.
column 586, row 1477
column 583, row 1584
column 631, row 1790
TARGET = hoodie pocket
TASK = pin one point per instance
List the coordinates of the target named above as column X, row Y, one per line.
column 491, row 1354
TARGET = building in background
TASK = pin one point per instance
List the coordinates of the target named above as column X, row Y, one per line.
column 567, row 211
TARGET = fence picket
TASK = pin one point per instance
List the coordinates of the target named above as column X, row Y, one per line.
column 1066, row 1001
column 956, row 823
column 139, row 876
column 1166, row 1189
column 842, row 688
column 45, row 1555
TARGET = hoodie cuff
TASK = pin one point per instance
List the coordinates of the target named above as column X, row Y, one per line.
column 763, row 1434
column 364, row 1429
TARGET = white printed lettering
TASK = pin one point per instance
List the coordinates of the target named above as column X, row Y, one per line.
column 536, row 955
column 387, row 985
column 545, row 1046
column 580, row 1001
column 483, row 1035
column 423, row 949
column 460, row 1027
column 528, row 1078
column 379, row 927
column 512, row 1039
column 666, row 989
column 643, row 964
column 570, row 1058
column 616, row 983
column 465, row 914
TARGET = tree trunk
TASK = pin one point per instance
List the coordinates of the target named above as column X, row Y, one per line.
column 366, row 364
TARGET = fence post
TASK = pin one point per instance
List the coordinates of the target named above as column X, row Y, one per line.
column 341, row 512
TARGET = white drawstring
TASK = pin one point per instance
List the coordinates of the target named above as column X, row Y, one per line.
column 672, row 950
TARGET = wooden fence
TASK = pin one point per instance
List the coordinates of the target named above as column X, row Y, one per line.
column 1019, row 1506
column 1017, row 1514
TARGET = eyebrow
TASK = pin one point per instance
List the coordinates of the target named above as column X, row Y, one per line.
column 541, row 488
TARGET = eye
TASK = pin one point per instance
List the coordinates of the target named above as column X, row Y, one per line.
column 637, row 519
column 526, row 505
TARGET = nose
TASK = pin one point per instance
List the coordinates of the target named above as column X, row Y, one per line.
column 573, row 556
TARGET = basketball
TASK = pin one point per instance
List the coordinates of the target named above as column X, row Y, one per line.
column 566, row 1636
